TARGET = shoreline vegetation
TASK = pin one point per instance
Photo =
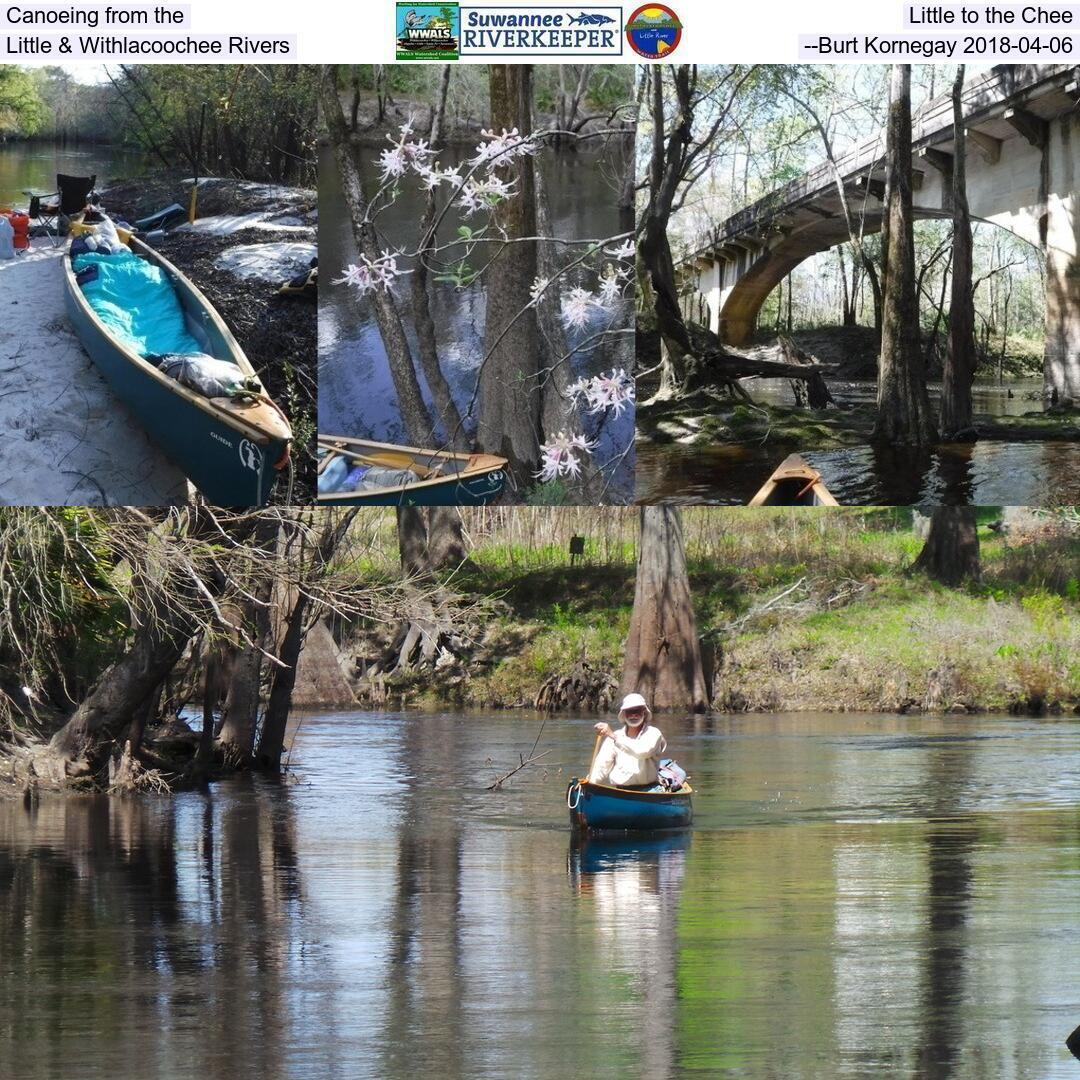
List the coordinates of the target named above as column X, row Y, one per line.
column 119, row 626
column 798, row 612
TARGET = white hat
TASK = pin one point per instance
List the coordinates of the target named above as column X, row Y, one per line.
column 633, row 701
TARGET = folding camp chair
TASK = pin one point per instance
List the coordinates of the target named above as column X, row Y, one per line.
column 54, row 211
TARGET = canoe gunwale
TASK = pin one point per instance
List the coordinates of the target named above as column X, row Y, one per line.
column 647, row 812
column 636, row 795
column 794, row 468
column 350, row 448
column 259, row 435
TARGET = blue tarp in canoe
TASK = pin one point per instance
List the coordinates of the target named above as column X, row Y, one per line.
column 136, row 301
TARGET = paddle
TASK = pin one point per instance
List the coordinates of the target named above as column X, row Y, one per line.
column 192, row 208
column 595, row 751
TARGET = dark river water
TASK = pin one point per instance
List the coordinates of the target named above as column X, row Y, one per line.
column 985, row 473
column 356, row 392
column 33, row 166
column 861, row 896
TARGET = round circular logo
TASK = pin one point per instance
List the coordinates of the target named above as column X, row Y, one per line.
column 654, row 31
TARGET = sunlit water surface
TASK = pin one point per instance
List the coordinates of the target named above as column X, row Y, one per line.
column 34, row 166
column 861, row 896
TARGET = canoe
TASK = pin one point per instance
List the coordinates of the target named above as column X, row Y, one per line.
column 438, row 477
column 231, row 448
column 794, row 483
column 602, row 808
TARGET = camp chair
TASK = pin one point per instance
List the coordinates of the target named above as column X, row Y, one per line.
column 55, row 210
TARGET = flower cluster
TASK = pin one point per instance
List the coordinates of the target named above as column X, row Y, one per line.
column 560, row 456
column 370, row 274
column 578, row 303
column 602, row 392
column 502, row 149
column 404, row 154
column 481, row 190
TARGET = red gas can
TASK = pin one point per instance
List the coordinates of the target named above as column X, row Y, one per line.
column 20, row 222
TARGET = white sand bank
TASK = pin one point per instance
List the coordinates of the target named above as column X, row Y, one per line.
column 68, row 440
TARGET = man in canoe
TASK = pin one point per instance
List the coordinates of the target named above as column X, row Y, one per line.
column 629, row 757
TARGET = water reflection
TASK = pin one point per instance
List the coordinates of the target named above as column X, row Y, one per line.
column 632, row 890
column 989, row 398
column 34, row 165
column 149, row 931
column 861, row 896
column 356, row 391
column 983, row 473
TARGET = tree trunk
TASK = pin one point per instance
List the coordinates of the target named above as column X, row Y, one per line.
column 236, row 738
column 445, row 540
column 951, row 552
column 956, row 406
column 354, row 109
column 903, row 403
column 412, row 540
column 509, row 420
column 173, row 606
column 875, row 291
column 558, row 412
column 414, row 413
column 429, row 539
column 279, row 705
column 447, row 415
column 663, row 653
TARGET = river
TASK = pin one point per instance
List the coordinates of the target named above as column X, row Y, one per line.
column 34, row 165
column 998, row 473
column 983, row 473
column 356, row 392
column 860, row 896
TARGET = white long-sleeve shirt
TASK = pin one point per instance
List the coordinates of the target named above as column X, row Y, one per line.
column 627, row 761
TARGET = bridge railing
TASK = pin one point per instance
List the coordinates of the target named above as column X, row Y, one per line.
column 988, row 93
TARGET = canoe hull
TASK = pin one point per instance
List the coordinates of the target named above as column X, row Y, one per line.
column 442, row 477
column 228, row 468
column 599, row 808
column 453, row 491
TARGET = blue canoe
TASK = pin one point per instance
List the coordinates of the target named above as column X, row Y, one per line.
column 439, row 477
column 602, row 808
column 232, row 449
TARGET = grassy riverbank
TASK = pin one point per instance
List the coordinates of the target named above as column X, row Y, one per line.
column 804, row 611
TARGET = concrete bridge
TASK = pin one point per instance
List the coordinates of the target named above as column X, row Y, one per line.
column 1023, row 174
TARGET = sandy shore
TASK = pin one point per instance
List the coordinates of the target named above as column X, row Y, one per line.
column 68, row 440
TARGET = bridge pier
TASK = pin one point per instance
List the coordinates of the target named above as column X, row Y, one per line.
column 1061, row 362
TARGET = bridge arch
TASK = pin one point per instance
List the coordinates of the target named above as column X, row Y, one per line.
column 741, row 303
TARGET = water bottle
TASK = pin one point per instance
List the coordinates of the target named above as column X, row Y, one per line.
column 7, row 239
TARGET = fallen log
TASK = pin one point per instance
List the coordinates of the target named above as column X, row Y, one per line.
column 730, row 364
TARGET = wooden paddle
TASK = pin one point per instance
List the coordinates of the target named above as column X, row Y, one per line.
column 595, row 751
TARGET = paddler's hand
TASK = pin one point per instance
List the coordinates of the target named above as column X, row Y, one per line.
column 604, row 729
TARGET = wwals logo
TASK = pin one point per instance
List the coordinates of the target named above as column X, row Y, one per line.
column 428, row 31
